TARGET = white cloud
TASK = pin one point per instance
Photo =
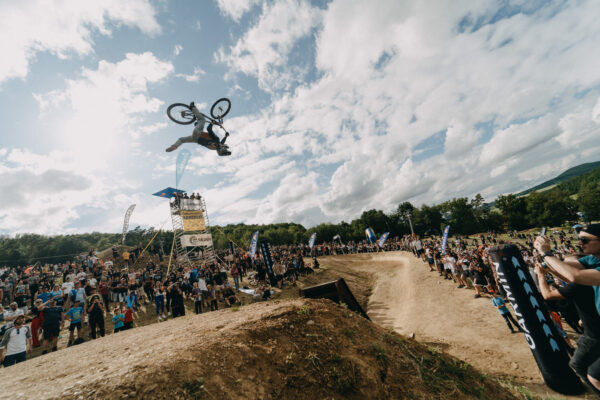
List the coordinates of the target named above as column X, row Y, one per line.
column 177, row 49
column 62, row 27
column 235, row 9
column 194, row 76
column 264, row 48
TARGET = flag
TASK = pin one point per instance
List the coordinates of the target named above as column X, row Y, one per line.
column 253, row 243
column 382, row 239
column 445, row 238
column 126, row 221
column 370, row 235
column 311, row 241
column 182, row 159
column 337, row 237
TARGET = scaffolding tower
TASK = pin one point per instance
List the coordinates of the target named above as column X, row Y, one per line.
column 193, row 240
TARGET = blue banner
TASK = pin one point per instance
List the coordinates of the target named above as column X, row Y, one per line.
column 311, row 241
column 182, row 159
column 253, row 243
column 370, row 235
column 382, row 239
column 445, row 238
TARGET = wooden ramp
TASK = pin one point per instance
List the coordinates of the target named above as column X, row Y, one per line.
column 337, row 291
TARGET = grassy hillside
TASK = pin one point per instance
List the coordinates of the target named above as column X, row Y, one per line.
column 569, row 174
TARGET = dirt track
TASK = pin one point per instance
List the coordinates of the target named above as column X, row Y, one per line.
column 409, row 299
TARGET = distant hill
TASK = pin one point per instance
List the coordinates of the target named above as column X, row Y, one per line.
column 565, row 176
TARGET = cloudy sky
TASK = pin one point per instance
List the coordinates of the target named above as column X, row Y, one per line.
column 337, row 106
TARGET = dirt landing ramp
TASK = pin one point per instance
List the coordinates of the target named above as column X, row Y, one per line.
column 298, row 349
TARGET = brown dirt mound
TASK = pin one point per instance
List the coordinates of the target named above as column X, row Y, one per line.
column 293, row 349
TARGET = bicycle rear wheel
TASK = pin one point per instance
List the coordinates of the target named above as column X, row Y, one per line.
column 220, row 108
column 181, row 113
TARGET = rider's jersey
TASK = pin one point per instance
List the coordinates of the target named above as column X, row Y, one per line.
column 209, row 139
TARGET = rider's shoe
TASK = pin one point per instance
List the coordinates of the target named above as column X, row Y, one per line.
column 171, row 148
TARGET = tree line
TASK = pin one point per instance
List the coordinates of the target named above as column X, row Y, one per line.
column 553, row 207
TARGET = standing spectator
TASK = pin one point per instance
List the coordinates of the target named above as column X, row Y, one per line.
column 212, row 298
column 103, row 288
column 74, row 315
column 17, row 341
column 583, row 271
column 197, row 294
column 159, row 299
column 118, row 319
column 177, row 301
column 235, row 274
column 95, row 312
column 54, row 320
column 501, row 306
column 37, row 321
column 10, row 315
column 126, row 257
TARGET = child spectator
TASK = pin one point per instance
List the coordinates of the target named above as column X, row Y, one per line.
column 500, row 305
column 74, row 315
column 118, row 319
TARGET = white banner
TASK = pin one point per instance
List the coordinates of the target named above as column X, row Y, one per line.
column 204, row 239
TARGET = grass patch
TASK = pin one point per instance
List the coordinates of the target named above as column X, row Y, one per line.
column 304, row 310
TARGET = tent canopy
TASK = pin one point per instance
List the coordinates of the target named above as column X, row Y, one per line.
column 168, row 192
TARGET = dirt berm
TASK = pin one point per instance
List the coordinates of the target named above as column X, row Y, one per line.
column 288, row 349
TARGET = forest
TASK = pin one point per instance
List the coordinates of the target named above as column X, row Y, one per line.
column 574, row 200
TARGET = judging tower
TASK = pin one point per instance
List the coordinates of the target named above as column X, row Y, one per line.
column 193, row 240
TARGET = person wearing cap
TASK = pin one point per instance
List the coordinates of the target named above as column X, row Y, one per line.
column 16, row 342
column 583, row 271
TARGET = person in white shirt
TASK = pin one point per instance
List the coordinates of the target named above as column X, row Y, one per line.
column 16, row 343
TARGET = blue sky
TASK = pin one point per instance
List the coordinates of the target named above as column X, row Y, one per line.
column 337, row 106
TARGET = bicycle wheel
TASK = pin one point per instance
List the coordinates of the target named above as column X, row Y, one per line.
column 220, row 108
column 181, row 113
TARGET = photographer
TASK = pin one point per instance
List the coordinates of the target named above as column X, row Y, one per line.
column 583, row 271
column 95, row 310
column 177, row 305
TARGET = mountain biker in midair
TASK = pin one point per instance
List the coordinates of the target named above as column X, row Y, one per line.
column 206, row 138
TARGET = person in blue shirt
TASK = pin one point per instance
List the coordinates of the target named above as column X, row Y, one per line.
column 118, row 319
column 74, row 315
column 501, row 306
column 584, row 271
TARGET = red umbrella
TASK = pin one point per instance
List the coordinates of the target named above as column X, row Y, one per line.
column 28, row 269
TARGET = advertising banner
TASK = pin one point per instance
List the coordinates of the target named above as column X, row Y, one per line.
column 203, row 240
column 370, row 235
column 253, row 243
column 547, row 345
column 193, row 221
column 265, row 247
column 382, row 239
column 445, row 238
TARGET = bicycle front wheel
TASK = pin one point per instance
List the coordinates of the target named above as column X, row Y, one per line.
column 220, row 108
column 181, row 113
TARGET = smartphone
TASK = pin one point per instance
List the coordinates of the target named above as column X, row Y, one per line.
column 543, row 232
